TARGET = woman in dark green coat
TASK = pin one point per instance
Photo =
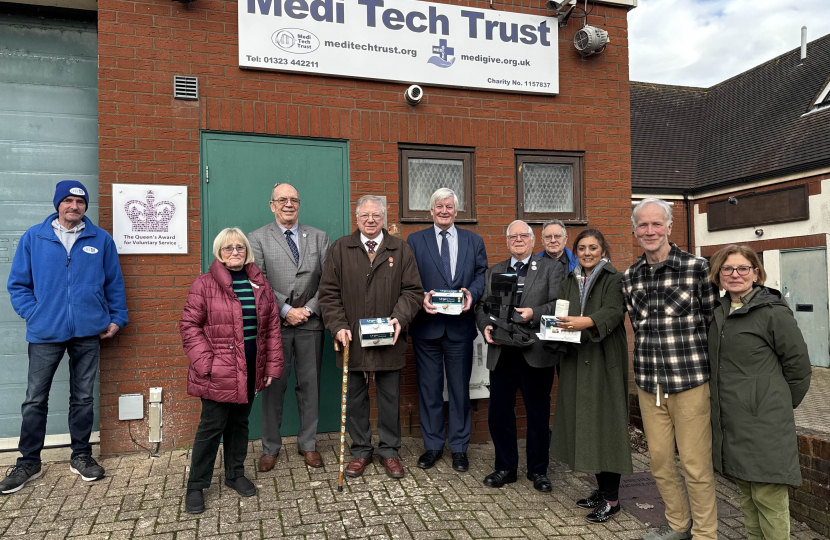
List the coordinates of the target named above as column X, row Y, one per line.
column 760, row 373
column 590, row 426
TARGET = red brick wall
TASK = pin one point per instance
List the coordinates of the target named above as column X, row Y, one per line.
column 147, row 137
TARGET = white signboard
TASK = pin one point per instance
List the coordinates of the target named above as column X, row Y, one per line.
column 402, row 40
column 149, row 218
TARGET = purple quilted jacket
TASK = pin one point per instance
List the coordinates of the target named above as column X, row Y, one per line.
column 211, row 329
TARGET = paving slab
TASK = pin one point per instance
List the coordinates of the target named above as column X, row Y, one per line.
column 143, row 498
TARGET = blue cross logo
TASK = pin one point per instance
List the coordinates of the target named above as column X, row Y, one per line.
column 443, row 50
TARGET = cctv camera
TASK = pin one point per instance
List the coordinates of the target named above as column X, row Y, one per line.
column 555, row 5
column 732, row 200
column 413, row 94
column 759, row 232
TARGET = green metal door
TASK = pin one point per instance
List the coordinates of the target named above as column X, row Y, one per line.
column 804, row 285
column 238, row 172
column 48, row 133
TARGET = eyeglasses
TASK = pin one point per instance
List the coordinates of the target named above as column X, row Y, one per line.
column 743, row 271
column 557, row 237
column 514, row 237
column 282, row 201
column 230, row 249
column 365, row 217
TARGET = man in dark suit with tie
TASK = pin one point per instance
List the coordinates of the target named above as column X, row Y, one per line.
column 455, row 259
column 529, row 368
column 291, row 257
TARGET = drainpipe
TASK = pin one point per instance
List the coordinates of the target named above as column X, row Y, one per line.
column 688, row 221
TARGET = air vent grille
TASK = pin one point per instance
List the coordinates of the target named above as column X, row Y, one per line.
column 185, row 87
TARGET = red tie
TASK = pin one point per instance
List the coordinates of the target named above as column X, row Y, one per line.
column 370, row 246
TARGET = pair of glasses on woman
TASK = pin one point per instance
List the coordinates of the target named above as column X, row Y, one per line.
column 743, row 271
column 230, row 249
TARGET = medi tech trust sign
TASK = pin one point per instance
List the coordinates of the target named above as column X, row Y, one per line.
column 402, row 40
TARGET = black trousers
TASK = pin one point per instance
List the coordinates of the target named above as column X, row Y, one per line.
column 512, row 374
column 225, row 422
column 388, row 386
column 609, row 485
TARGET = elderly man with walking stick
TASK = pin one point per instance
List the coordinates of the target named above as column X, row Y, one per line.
column 371, row 274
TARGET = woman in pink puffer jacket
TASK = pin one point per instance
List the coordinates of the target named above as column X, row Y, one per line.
column 230, row 331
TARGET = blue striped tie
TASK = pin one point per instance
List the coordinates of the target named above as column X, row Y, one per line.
column 292, row 246
column 445, row 257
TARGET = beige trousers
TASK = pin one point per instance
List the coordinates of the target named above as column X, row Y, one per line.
column 683, row 419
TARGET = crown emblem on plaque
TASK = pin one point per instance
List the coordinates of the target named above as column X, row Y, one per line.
column 150, row 216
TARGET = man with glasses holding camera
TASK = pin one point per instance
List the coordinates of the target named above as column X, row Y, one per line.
column 291, row 256
column 529, row 368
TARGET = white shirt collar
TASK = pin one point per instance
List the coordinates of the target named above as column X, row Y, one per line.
column 525, row 260
column 293, row 229
column 450, row 232
column 378, row 239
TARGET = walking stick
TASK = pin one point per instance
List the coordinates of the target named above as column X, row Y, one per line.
column 343, row 410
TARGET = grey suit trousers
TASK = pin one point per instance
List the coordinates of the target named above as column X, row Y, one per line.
column 303, row 348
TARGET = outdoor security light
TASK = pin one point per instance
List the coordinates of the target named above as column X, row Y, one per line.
column 590, row 40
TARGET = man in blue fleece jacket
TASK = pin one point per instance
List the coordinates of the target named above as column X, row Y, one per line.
column 66, row 282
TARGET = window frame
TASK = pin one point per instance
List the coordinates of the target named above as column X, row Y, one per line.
column 553, row 157
column 459, row 153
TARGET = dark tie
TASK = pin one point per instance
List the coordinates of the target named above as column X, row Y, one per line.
column 292, row 246
column 518, row 267
column 445, row 257
column 370, row 246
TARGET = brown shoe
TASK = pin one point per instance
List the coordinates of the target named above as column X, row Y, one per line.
column 393, row 467
column 267, row 462
column 312, row 458
column 356, row 466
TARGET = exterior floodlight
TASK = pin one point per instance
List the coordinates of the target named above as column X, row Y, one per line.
column 590, row 40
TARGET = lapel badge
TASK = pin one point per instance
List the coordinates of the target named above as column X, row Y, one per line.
column 305, row 234
column 391, row 261
column 533, row 265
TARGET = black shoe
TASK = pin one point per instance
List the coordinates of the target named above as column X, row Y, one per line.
column 497, row 479
column 540, row 482
column 194, row 501
column 87, row 468
column 242, row 485
column 17, row 476
column 460, row 462
column 603, row 513
column 593, row 501
column 428, row 458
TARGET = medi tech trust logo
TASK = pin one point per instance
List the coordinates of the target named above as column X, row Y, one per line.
column 295, row 40
column 442, row 52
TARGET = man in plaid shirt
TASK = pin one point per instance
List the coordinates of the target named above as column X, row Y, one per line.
column 670, row 303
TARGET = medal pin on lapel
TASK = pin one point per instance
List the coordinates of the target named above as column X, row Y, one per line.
column 391, row 261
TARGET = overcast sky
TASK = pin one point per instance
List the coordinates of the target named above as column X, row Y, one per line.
column 704, row 42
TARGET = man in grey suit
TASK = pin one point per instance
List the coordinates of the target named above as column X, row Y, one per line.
column 527, row 368
column 291, row 257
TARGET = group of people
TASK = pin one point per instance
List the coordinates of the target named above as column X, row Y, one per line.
column 716, row 376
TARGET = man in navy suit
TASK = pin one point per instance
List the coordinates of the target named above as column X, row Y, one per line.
column 448, row 258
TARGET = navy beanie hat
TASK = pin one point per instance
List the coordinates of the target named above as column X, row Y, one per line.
column 67, row 188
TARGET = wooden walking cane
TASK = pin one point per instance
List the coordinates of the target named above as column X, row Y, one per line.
column 343, row 410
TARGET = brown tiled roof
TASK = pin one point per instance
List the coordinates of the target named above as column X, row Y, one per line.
column 747, row 128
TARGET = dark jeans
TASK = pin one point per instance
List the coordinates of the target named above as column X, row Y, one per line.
column 44, row 359
column 512, row 374
column 225, row 422
column 609, row 485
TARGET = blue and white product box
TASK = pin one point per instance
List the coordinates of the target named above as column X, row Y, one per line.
column 448, row 302
column 551, row 332
column 376, row 332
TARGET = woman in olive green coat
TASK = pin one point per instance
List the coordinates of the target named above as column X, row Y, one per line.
column 760, row 373
column 590, row 426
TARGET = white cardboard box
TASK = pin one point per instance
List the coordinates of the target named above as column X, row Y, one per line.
column 551, row 332
column 448, row 302
column 376, row 332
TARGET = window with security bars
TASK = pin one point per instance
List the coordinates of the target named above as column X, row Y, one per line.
column 423, row 170
column 549, row 185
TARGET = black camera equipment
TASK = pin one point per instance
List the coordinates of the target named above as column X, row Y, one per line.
column 501, row 310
